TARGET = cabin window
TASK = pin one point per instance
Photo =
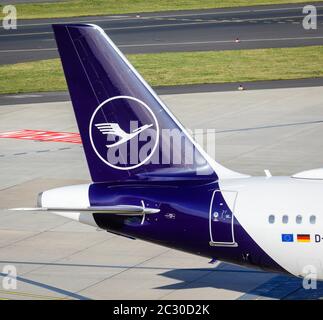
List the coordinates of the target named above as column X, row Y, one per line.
column 299, row 219
column 285, row 219
column 271, row 219
column 312, row 219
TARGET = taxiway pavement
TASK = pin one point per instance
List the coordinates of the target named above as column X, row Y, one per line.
column 275, row 129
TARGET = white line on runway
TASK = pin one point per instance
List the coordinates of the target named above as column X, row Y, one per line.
column 24, row 96
column 27, row 50
column 213, row 42
column 176, row 43
column 170, row 15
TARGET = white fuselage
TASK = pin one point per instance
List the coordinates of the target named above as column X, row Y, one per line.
column 271, row 209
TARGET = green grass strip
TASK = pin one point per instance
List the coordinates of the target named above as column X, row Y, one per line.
column 181, row 68
column 76, row 8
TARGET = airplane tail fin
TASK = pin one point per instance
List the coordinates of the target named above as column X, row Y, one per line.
column 126, row 130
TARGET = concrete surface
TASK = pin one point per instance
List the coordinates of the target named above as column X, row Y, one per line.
column 276, row 129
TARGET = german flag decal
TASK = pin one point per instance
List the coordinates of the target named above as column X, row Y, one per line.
column 303, row 238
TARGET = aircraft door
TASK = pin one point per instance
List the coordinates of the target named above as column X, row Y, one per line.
column 221, row 218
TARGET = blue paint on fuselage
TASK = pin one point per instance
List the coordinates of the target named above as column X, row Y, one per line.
column 183, row 220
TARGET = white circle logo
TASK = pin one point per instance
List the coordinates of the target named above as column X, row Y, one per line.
column 124, row 132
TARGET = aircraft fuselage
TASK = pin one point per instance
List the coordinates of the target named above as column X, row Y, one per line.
column 271, row 223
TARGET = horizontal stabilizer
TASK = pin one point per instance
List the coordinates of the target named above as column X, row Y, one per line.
column 119, row 209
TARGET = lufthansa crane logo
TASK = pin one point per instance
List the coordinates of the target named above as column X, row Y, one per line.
column 114, row 129
column 124, row 132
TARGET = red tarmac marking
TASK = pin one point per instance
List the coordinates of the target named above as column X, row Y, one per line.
column 39, row 135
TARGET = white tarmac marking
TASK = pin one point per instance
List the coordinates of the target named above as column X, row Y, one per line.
column 27, row 50
column 23, row 96
column 176, row 43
